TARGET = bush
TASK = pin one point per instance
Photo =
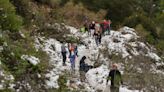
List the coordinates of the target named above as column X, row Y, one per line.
column 8, row 18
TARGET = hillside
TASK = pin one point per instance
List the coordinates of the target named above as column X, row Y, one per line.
column 32, row 32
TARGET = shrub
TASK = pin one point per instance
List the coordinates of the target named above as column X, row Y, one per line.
column 8, row 18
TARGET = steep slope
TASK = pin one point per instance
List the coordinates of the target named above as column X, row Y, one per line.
column 123, row 43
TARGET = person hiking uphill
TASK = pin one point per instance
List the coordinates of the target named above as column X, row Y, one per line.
column 109, row 26
column 71, row 47
column 76, row 50
column 72, row 60
column 105, row 27
column 63, row 52
column 92, row 28
column 83, row 68
column 115, row 77
column 97, row 35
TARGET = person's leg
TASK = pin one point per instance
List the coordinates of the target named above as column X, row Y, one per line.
column 100, row 40
column 74, row 64
column 82, row 76
column 90, row 32
column 96, row 40
column 71, row 61
column 114, row 89
column 76, row 53
column 109, row 30
column 106, row 31
column 64, row 58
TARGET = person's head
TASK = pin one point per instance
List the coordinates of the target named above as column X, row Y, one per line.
column 84, row 57
column 93, row 22
column 62, row 43
column 104, row 20
column 114, row 66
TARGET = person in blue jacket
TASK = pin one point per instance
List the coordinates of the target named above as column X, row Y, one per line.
column 72, row 60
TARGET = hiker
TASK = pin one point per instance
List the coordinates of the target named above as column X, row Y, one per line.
column 72, row 60
column 92, row 28
column 109, row 26
column 97, row 35
column 105, row 27
column 69, row 48
column 84, row 68
column 102, row 28
column 63, row 52
column 76, row 50
column 86, row 26
column 97, row 26
column 115, row 77
column 96, row 38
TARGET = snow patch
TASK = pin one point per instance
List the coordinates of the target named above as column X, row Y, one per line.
column 97, row 77
column 154, row 56
column 33, row 60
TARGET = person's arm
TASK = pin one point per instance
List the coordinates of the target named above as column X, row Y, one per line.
column 108, row 78
column 120, row 77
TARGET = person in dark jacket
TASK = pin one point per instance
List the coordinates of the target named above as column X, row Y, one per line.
column 84, row 68
column 92, row 28
column 115, row 77
column 63, row 52
column 97, row 37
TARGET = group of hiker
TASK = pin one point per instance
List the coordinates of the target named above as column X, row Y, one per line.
column 97, row 30
column 73, row 54
column 114, row 74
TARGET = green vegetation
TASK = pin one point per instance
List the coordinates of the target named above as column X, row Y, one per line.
column 9, row 20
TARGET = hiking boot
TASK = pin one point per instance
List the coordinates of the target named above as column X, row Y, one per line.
column 64, row 64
